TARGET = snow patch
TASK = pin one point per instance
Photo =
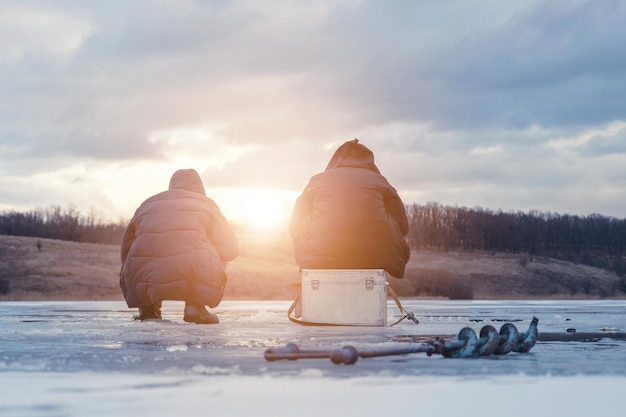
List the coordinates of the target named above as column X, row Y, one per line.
column 261, row 316
column 177, row 348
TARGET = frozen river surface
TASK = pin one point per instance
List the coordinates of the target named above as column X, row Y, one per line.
column 92, row 358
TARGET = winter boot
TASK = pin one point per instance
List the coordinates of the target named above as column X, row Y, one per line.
column 152, row 312
column 199, row 315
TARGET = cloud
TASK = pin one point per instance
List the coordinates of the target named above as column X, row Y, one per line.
column 290, row 165
column 32, row 33
column 610, row 140
column 554, row 64
column 498, row 104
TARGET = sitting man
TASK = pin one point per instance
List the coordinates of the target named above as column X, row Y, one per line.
column 350, row 217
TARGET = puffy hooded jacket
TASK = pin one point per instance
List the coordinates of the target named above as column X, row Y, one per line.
column 350, row 217
column 176, row 246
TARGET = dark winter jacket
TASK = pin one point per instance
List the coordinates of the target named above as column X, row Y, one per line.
column 175, row 247
column 350, row 217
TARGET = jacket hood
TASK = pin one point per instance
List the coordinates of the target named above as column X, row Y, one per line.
column 353, row 154
column 187, row 179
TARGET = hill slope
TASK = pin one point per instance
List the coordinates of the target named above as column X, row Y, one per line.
column 61, row 270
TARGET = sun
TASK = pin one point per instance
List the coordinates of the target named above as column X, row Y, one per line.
column 264, row 214
column 258, row 211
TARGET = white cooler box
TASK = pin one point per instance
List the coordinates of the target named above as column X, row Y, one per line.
column 355, row 297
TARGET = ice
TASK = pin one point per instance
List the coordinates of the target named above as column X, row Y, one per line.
column 92, row 358
column 308, row 394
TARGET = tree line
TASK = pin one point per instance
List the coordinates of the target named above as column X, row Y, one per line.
column 594, row 239
column 55, row 222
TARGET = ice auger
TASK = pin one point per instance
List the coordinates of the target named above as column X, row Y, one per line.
column 466, row 345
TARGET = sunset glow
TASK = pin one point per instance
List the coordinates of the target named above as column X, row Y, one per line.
column 105, row 105
column 264, row 215
column 257, row 211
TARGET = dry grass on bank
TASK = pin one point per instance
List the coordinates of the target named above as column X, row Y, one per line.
column 62, row 270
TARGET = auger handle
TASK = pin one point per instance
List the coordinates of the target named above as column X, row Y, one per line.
column 292, row 352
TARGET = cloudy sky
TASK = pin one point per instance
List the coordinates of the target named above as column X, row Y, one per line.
column 506, row 105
